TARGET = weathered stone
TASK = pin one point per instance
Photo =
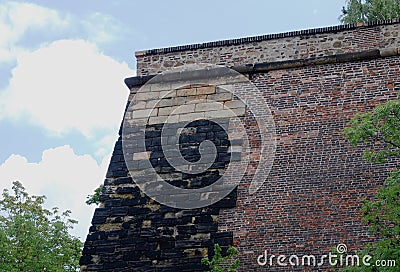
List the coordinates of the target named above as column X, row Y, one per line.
column 220, row 97
column 234, row 104
column 191, row 116
column 208, row 106
column 205, row 90
column 313, row 82
column 144, row 113
column 186, row 92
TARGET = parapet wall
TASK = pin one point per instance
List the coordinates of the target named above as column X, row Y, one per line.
column 310, row 200
column 295, row 45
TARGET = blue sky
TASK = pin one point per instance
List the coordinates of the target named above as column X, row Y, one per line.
column 62, row 65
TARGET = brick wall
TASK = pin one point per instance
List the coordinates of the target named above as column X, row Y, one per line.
column 310, row 201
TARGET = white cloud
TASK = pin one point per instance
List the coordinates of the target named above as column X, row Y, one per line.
column 61, row 83
column 63, row 177
column 67, row 85
column 18, row 18
column 102, row 28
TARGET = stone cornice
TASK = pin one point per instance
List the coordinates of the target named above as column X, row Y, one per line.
column 137, row 81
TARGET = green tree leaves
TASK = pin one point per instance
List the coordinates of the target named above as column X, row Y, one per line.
column 95, row 198
column 380, row 129
column 33, row 238
column 369, row 10
column 220, row 263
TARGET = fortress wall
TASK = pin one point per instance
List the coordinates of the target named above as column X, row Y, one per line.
column 310, row 201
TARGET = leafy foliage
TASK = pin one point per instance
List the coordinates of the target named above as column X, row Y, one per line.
column 381, row 126
column 220, row 263
column 381, row 130
column 95, row 198
column 369, row 10
column 33, row 238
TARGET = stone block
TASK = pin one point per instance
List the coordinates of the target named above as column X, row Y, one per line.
column 205, row 90
column 157, row 120
column 147, row 95
column 208, row 106
column 172, row 119
column 220, row 96
column 186, row 92
column 152, row 104
column 191, row 116
column 138, row 114
column 174, row 101
column 187, row 108
column 141, row 156
column 234, row 104
column 138, row 105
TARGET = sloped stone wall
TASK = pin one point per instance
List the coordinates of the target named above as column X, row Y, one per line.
column 132, row 232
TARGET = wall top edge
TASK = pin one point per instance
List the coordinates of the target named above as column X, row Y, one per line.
column 237, row 41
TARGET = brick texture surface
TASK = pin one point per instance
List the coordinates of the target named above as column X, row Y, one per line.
column 310, row 201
